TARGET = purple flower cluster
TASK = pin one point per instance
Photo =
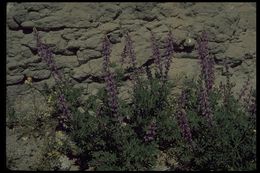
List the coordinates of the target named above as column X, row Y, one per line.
column 206, row 62
column 111, row 87
column 106, row 51
column 46, row 54
column 151, row 132
column 182, row 117
column 112, row 92
column 156, row 54
column 168, row 53
column 63, row 107
column 207, row 77
column 204, row 105
column 129, row 51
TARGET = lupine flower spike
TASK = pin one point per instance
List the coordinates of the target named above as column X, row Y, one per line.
column 111, row 87
column 206, row 62
column 151, row 132
column 182, row 118
column 207, row 77
column 46, row 54
column 129, row 51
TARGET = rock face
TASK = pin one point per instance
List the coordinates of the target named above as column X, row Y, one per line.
column 23, row 152
column 75, row 31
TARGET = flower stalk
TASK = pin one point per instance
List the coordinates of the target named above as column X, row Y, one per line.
column 46, row 54
column 109, row 77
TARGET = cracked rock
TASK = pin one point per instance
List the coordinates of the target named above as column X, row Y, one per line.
column 11, row 80
column 87, row 54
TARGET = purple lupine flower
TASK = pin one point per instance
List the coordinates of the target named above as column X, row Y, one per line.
column 112, row 92
column 106, row 51
column 156, row 54
column 207, row 78
column 206, row 62
column 66, row 115
column 46, row 54
column 204, row 105
column 168, row 53
column 111, row 87
column 182, row 117
column 63, row 106
column 129, row 51
column 184, row 126
column 151, row 132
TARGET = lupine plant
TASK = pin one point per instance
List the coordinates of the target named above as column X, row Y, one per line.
column 45, row 52
column 182, row 118
column 202, row 128
column 223, row 137
column 129, row 51
column 111, row 87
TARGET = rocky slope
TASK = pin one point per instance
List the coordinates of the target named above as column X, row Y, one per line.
column 75, row 31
